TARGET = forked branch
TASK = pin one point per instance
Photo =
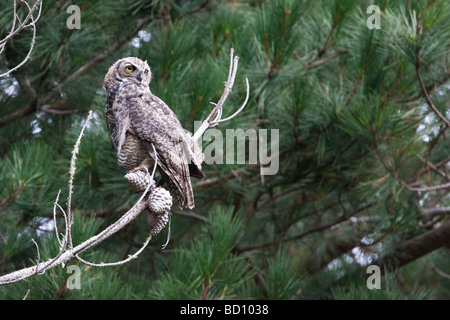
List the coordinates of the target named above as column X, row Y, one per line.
column 18, row 26
column 67, row 251
column 425, row 92
column 215, row 117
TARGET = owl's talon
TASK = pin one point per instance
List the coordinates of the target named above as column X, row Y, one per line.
column 140, row 168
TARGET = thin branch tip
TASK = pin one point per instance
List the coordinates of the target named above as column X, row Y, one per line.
column 215, row 117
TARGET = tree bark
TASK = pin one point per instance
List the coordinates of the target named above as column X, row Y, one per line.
column 417, row 247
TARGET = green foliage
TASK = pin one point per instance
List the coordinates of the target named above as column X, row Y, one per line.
column 282, row 281
column 206, row 268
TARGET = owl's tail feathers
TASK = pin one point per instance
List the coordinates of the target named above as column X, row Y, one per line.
column 190, row 200
column 185, row 194
column 195, row 156
column 195, row 171
column 182, row 192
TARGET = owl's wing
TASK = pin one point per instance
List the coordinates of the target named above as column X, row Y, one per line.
column 111, row 121
column 153, row 122
column 117, row 120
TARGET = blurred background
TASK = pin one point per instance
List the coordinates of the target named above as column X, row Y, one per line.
column 361, row 101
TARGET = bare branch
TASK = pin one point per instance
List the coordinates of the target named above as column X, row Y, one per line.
column 71, row 253
column 23, row 24
column 70, row 215
column 238, row 110
column 38, row 252
column 431, row 188
column 61, row 244
column 5, row 120
column 26, row 295
column 425, row 93
column 65, row 254
column 111, row 264
column 214, row 118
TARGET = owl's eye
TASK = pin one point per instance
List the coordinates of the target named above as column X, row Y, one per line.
column 146, row 72
column 130, row 68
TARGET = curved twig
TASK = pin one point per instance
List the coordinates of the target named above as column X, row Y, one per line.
column 425, row 92
column 112, row 264
column 66, row 254
column 22, row 25
column 70, row 215
column 238, row 110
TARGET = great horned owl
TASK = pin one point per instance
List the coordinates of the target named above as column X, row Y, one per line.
column 137, row 119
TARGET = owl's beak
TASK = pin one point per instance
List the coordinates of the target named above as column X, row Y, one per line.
column 140, row 76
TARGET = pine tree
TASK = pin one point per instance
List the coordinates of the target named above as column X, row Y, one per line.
column 360, row 107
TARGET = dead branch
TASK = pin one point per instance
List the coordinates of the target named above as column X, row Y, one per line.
column 215, row 117
column 18, row 26
column 67, row 254
column 437, row 270
column 425, row 92
column 67, row 250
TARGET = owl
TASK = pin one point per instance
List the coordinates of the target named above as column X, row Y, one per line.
column 137, row 121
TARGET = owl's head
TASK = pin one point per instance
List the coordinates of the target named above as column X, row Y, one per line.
column 128, row 69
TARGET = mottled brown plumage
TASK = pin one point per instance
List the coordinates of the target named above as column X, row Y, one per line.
column 137, row 119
